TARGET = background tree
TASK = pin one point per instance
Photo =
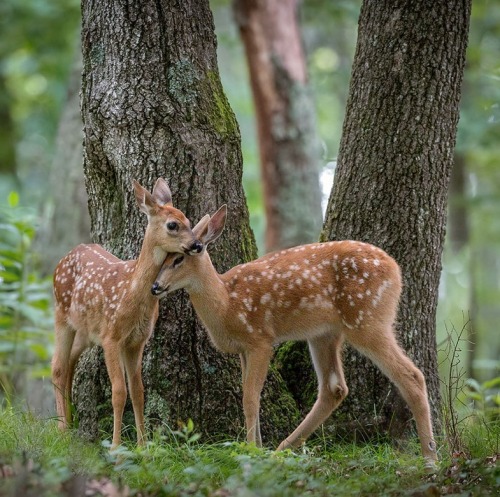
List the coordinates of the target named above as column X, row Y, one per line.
column 288, row 144
column 153, row 105
column 68, row 221
column 391, row 183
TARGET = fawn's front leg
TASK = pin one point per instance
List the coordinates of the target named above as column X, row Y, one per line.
column 255, row 364
column 114, row 365
column 133, row 367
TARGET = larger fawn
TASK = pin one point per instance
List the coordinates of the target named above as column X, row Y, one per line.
column 324, row 293
column 102, row 299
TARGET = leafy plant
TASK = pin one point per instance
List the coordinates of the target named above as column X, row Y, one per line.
column 25, row 310
column 471, row 410
column 486, row 397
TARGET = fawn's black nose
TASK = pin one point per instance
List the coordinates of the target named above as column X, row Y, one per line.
column 155, row 289
column 197, row 247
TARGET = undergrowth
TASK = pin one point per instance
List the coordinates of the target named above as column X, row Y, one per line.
column 38, row 460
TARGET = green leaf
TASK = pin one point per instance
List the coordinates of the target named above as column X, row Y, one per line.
column 13, row 199
column 493, row 383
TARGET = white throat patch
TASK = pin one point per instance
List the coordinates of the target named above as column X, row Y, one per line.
column 159, row 255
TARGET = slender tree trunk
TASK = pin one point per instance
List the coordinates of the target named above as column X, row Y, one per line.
column 392, row 178
column 8, row 162
column 153, row 105
column 459, row 238
column 68, row 220
column 288, row 144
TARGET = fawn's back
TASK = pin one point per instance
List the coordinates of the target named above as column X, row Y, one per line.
column 305, row 291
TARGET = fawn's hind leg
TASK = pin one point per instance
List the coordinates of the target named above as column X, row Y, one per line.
column 64, row 338
column 382, row 348
column 332, row 389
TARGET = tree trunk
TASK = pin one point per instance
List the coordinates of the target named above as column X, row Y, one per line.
column 8, row 162
column 153, row 106
column 391, row 183
column 69, row 221
column 288, row 144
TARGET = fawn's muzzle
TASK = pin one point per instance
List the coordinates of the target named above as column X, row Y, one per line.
column 156, row 289
column 195, row 248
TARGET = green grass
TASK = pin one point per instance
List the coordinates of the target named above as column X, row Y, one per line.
column 37, row 460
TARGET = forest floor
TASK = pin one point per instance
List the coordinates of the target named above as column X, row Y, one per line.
column 36, row 460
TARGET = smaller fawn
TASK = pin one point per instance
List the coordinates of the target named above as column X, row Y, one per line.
column 324, row 293
column 102, row 299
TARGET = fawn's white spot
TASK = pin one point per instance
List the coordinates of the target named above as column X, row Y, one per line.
column 268, row 315
column 333, row 381
column 265, row 299
column 248, row 302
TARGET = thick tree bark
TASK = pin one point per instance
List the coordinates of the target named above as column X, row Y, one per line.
column 153, row 105
column 392, row 178
column 288, row 144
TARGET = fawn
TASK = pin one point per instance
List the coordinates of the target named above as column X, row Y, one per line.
column 324, row 293
column 102, row 299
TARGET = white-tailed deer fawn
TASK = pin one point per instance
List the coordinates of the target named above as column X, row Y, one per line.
column 102, row 299
column 324, row 293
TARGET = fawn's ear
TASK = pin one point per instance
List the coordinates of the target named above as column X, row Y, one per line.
column 216, row 225
column 162, row 193
column 200, row 230
column 145, row 200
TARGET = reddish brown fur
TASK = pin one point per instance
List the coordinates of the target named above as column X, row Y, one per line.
column 102, row 299
column 323, row 293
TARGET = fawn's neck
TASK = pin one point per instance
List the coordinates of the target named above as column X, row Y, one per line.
column 146, row 268
column 209, row 295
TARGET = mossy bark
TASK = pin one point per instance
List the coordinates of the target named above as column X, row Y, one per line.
column 153, row 106
column 391, row 183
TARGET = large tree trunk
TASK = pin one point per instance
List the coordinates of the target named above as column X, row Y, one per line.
column 288, row 144
column 153, row 105
column 392, row 178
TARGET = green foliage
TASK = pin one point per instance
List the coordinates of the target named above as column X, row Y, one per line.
column 38, row 42
column 37, row 459
column 25, row 310
column 486, row 397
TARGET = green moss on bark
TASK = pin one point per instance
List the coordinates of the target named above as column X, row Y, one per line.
column 218, row 112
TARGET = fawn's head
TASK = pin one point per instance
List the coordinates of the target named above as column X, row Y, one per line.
column 171, row 227
column 178, row 269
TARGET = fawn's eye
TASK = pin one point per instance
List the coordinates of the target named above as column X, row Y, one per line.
column 172, row 226
column 178, row 260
